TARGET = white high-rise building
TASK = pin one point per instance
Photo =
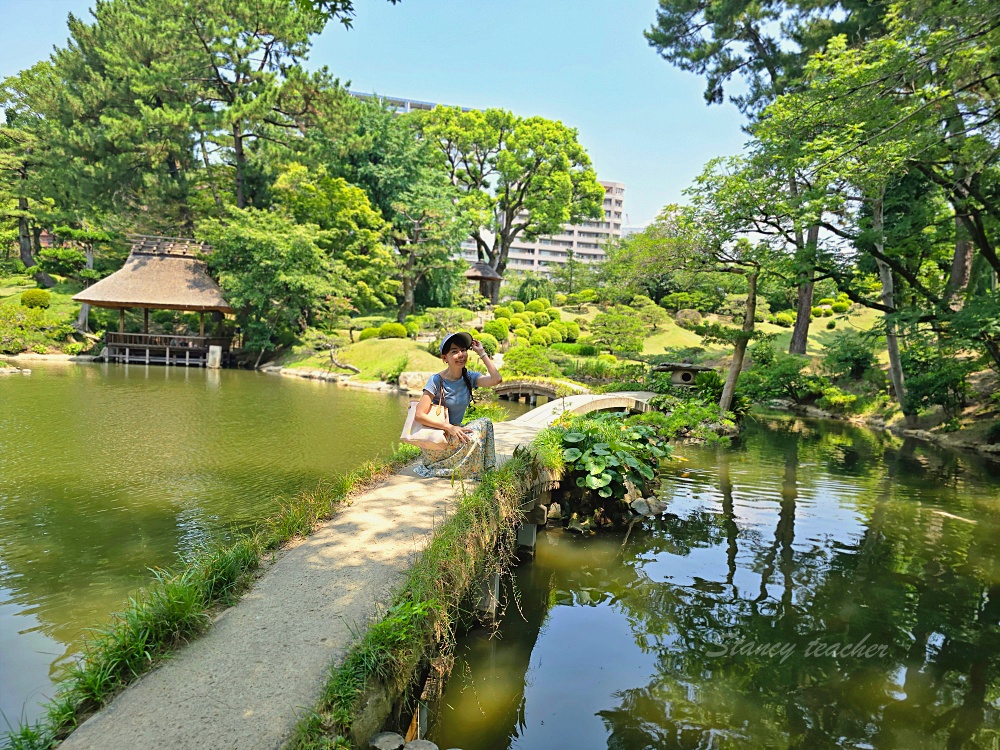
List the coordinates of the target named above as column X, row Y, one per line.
column 585, row 240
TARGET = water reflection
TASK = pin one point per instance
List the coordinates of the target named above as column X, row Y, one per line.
column 736, row 621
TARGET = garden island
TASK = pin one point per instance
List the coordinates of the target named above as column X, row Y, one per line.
column 746, row 484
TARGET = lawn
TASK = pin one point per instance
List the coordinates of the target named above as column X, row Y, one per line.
column 373, row 357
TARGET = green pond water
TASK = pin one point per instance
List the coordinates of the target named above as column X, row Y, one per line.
column 814, row 586
column 107, row 471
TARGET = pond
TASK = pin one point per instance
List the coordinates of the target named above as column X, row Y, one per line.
column 107, row 471
column 813, row 586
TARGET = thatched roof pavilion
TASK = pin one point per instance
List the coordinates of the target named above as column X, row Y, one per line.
column 483, row 273
column 161, row 273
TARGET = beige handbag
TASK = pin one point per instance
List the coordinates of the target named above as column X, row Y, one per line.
column 417, row 434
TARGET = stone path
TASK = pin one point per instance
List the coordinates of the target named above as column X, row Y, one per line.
column 244, row 684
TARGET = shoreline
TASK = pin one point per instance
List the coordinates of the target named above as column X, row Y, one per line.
column 948, row 440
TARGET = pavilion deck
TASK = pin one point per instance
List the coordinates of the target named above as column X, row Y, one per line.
column 162, row 349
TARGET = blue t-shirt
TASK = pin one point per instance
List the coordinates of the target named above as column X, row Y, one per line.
column 456, row 394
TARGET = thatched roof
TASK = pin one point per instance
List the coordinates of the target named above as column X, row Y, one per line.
column 163, row 273
column 480, row 271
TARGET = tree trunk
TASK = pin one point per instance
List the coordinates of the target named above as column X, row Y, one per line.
column 409, row 289
column 83, row 321
column 241, row 199
column 729, row 389
column 25, row 248
column 961, row 261
column 888, row 299
column 803, row 312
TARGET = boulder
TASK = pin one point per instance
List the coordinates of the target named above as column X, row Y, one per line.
column 414, row 382
column 386, row 741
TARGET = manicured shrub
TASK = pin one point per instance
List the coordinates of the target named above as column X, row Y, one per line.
column 554, row 334
column 517, row 306
column 553, row 314
column 572, row 331
column 412, row 328
column 542, row 319
column 826, row 301
column 831, row 324
column 501, row 312
column 368, row 333
column 577, row 350
column 607, row 359
column 561, row 327
column 561, row 299
column 784, row 319
column 688, row 318
column 489, row 342
column 392, row 331
column 546, row 304
column 817, row 311
column 498, row 328
column 36, row 298
column 523, row 331
column 840, row 307
column 849, row 355
column 522, row 341
column 836, row 401
column 827, row 312
column 534, row 306
column 537, row 339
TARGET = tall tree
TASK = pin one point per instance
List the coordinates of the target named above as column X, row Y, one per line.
column 520, row 177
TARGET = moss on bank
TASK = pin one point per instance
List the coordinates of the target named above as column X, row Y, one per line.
column 423, row 614
column 179, row 605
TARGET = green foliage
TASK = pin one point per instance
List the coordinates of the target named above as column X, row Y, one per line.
column 538, row 339
column 542, row 319
column 22, row 328
column 826, row 301
column 840, row 307
column 535, row 306
column 36, row 298
column 850, row 355
column 688, row 318
column 784, row 319
column 502, row 312
column 831, row 324
column 780, row 375
column 489, row 342
column 489, row 409
column 517, row 306
column 412, row 328
column 993, row 434
column 529, row 360
column 397, row 368
column 691, row 418
column 837, row 401
column 617, row 330
column 498, row 328
column 935, row 377
column 577, row 350
column 63, row 261
column 572, row 331
column 369, row 333
column 554, row 334
column 817, row 311
column 392, row 331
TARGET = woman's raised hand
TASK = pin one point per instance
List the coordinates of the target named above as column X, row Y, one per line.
column 477, row 347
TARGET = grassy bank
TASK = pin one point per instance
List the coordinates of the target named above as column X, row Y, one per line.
column 376, row 358
column 178, row 605
column 423, row 614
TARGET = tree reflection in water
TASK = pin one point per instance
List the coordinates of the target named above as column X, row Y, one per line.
column 799, row 534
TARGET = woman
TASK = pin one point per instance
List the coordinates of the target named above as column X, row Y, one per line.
column 470, row 450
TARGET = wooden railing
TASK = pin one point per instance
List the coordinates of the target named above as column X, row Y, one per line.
column 166, row 341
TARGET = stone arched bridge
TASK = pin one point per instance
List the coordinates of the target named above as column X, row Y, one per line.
column 530, row 389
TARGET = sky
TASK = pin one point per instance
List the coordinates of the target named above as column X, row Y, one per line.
column 583, row 62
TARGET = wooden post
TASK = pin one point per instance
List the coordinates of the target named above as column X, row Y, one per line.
column 121, row 320
column 201, row 324
column 145, row 320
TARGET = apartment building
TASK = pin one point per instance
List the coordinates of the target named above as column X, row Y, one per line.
column 585, row 240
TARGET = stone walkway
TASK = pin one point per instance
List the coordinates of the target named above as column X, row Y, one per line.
column 244, row 684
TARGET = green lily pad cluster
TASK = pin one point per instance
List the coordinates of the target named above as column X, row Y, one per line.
column 603, row 454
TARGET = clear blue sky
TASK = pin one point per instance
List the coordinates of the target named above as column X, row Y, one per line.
column 584, row 62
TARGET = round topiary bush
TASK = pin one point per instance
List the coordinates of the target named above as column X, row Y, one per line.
column 831, row 324
column 368, row 333
column 561, row 299
column 489, row 342
column 498, row 328
column 517, row 306
column 688, row 318
column 392, row 331
column 542, row 319
column 36, row 298
column 608, row 359
column 412, row 327
column 537, row 339
column 545, row 302
column 572, row 331
column 561, row 327
column 840, row 307
column 522, row 341
column 827, row 313
column 534, row 306
column 784, row 319
column 826, row 301
column 817, row 311
column 502, row 312
column 553, row 313
column 523, row 332
column 554, row 334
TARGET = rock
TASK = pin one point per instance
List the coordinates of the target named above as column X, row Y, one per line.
column 386, row 741
column 555, row 512
column 656, row 505
column 575, row 525
column 420, row 745
column 414, row 382
column 537, row 515
column 640, row 506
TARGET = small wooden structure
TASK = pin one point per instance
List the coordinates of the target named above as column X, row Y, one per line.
column 483, row 273
column 681, row 373
column 161, row 273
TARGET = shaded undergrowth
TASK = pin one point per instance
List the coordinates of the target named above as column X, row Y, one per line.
column 178, row 605
column 423, row 615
